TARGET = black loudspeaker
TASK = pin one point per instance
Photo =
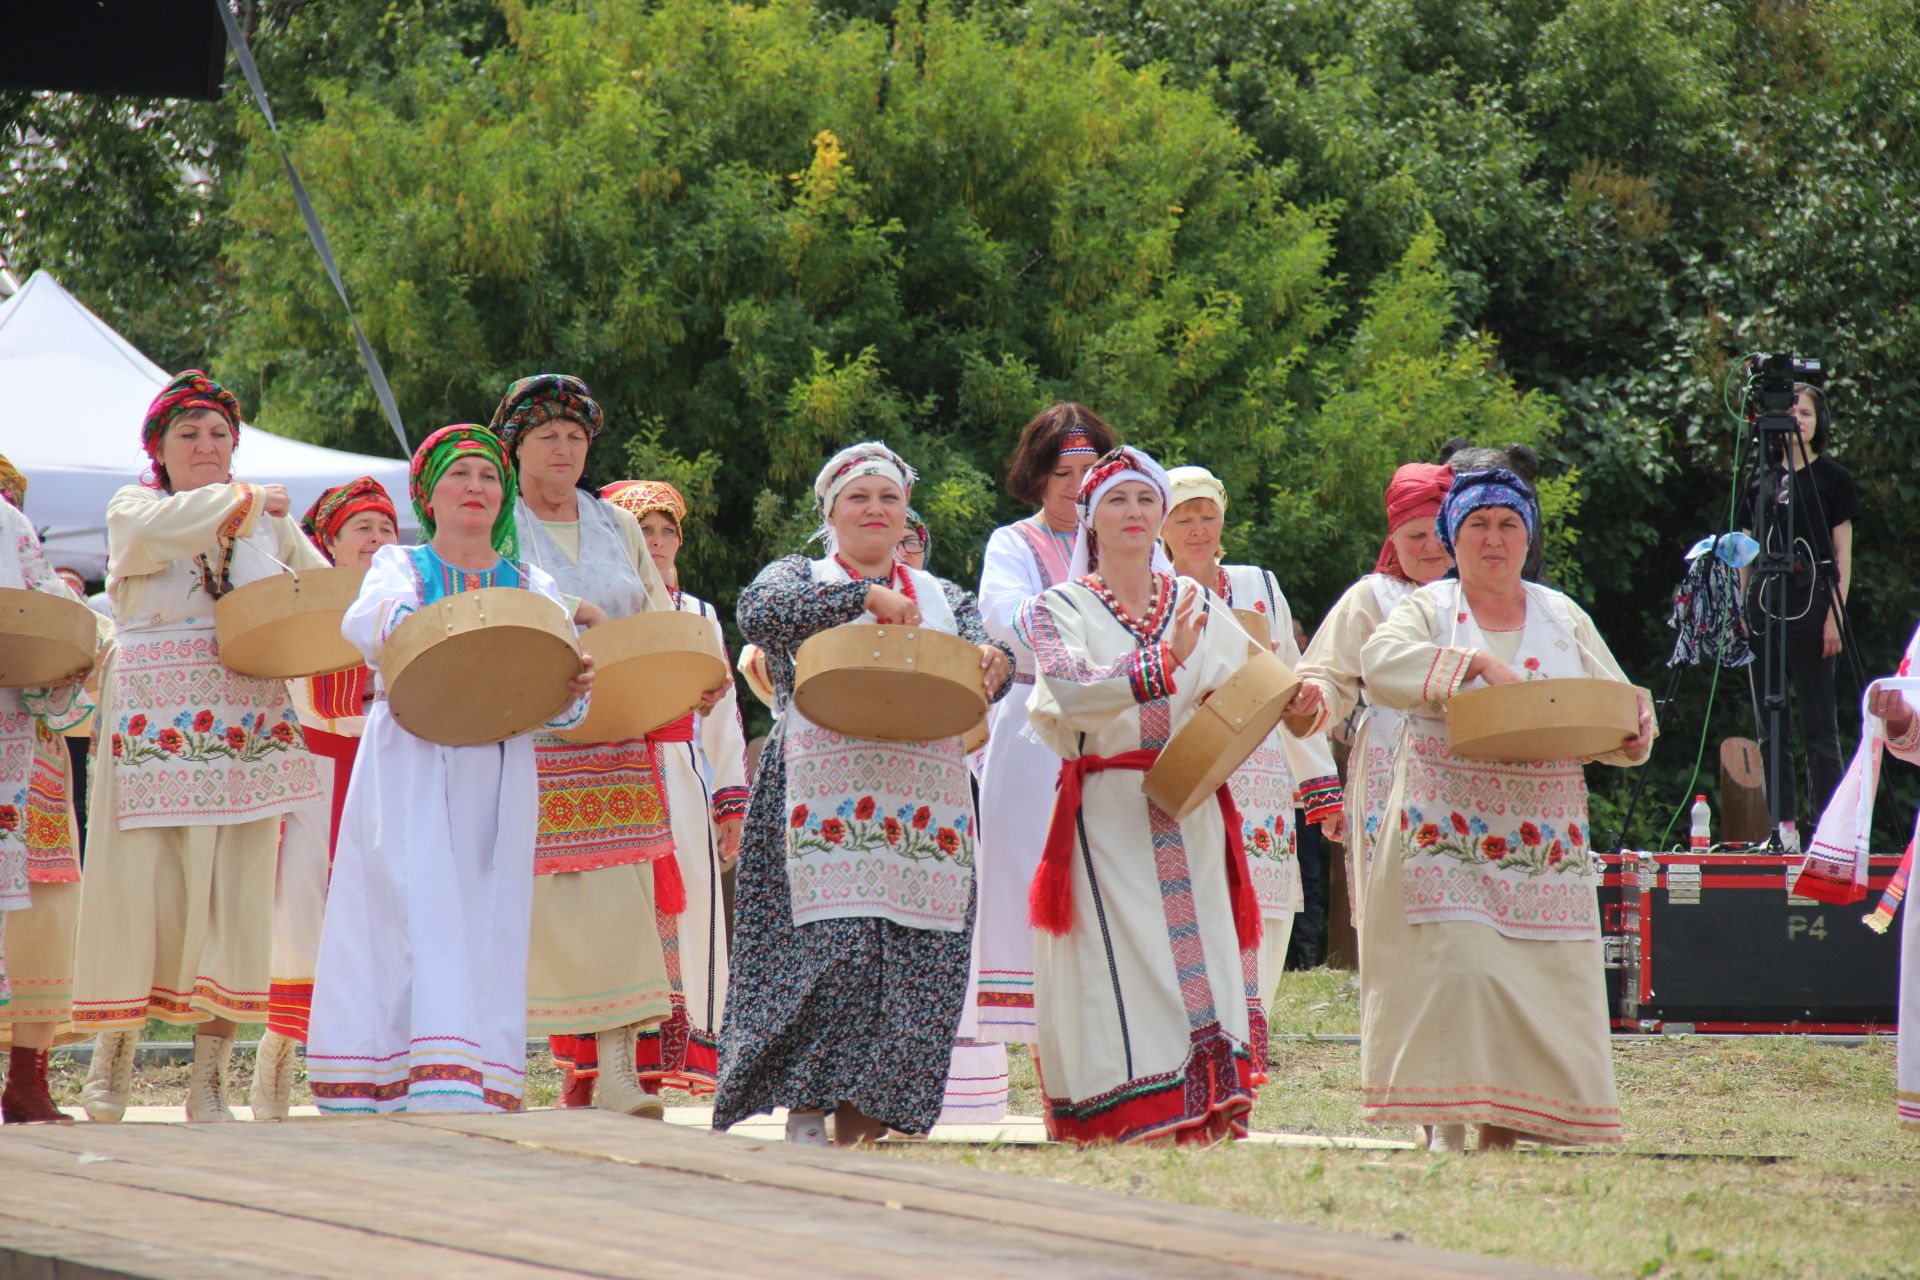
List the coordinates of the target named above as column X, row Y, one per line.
column 139, row 48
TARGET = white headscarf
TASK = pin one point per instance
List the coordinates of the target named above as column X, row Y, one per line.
column 868, row 458
column 1118, row 467
column 1195, row 482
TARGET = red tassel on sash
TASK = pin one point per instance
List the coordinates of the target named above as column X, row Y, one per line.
column 669, row 890
column 1050, row 899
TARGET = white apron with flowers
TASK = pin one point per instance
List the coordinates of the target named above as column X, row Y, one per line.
column 1499, row 843
column 879, row 829
column 193, row 743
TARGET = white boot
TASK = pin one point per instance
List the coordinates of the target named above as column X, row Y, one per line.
column 110, row 1076
column 207, row 1086
column 1447, row 1139
column 272, row 1093
column 619, row 1087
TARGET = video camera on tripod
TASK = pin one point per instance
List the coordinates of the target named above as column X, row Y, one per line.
column 1773, row 383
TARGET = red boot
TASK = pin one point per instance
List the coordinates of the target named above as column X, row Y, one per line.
column 577, row 1091
column 26, row 1099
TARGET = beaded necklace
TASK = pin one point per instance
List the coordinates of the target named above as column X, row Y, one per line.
column 1143, row 633
column 217, row 582
column 897, row 578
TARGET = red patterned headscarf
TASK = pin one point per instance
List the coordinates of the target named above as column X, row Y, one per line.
column 332, row 509
column 643, row 497
column 444, row 448
column 189, row 390
column 1415, row 492
column 529, row 402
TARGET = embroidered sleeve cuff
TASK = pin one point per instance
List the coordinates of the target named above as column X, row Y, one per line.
column 1446, row 675
column 1150, row 672
column 245, row 514
column 1908, row 742
column 729, row 802
column 1320, row 797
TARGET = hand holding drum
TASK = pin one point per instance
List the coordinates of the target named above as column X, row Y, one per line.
column 275, row 497
column 583, row 681
column 888, row 605
column 1891, row 706
column 993, row 669
column 1188, row 622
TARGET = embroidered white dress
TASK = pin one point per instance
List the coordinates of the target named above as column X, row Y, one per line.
column 194, row 769
column 1142, row 1010
column 1482, row 994
column 419, row 1001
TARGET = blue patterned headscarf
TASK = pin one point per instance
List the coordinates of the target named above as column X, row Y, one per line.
column 1497, row 487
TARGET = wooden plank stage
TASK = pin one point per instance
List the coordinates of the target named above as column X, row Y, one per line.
column 586, row 1193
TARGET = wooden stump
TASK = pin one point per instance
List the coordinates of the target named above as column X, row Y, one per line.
column 1743, row 794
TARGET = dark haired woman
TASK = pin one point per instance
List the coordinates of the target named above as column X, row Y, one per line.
column 1023, row 559
column 1824, row 505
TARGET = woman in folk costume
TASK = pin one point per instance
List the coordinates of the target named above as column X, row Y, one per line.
column 1412, row 556
column 419, row 1001
column 684, row 1052
column 348, row 523
column 1024, row 558
column 1284, row 773
column 1482, row 997
column 1141, row 919
column 847, row 1001
column 39, row 867
column 176, row 909
column 605, row 857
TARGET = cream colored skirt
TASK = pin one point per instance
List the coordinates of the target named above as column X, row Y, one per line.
column 39, row 960
column 176, row 923
column 596, row 963
column 1460, row 1024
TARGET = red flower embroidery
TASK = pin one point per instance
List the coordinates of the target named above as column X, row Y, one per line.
column 172, row 739
column 1459, row 823
column 236, row 738
column 894, row 830
column 1556, row 854
column 1531, row 664
column 1259, row 606
column 1495, row 847
column 832, row 829
column 283, row 732
column 260, row 722
column 203, row 722
column 864, row 810
column 1428, row 835
column 921, row 817
column 1529, row 834
column 799, row 818
column 137, row 726
column 9, row 817
column 117, row 745
column 1261, row 839
column 1573, row 832
column 948, row 839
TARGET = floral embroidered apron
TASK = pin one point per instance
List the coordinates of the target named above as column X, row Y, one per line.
column 1500, row 844
column 1263, row 787
column 879, row 828
column 194, row 744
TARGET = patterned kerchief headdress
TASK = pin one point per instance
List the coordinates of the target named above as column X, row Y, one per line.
column 1118, row 467
column 868, row 458
column 13, row 483
column 917, row 528
column 1497, row 487
column 542, row 398
column 333, row 508
column 644, row 497
column 444, row 448
column 189, row 390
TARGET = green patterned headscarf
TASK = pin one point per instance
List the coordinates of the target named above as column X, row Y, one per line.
column 444, row 448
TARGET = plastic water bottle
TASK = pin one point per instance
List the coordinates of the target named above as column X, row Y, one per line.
column 1702, row 825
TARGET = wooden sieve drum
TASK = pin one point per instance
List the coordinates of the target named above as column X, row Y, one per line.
column 1572, row 719
column 481, row 666
column 1255, row 624
column 890, row 683
column 975, row 738
column 44, row 638
column 648, row 670
column 288, row 626
column 1221, row 733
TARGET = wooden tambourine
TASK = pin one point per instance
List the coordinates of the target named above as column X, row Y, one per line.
column 44, row 638
column 648, row 670
column 481, row 666
column 1574, row 719
column 1222, row 732
column 975, row 738
column 889, row 683
column 288, row 626
column 1255, row 624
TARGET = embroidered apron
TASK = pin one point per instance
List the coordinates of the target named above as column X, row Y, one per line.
column 1382, row 733
column 1263, row 787
column 194, row 744
column 1500, row 844
column 879, row 828
column 601, row 803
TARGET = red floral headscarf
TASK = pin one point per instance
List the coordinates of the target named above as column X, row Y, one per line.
column 643, row 497
column 189, row 390
column 332, row 509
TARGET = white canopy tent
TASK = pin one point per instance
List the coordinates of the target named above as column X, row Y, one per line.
column 72, row 394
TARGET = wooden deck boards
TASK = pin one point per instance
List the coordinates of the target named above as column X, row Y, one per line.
column 590, row 1194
